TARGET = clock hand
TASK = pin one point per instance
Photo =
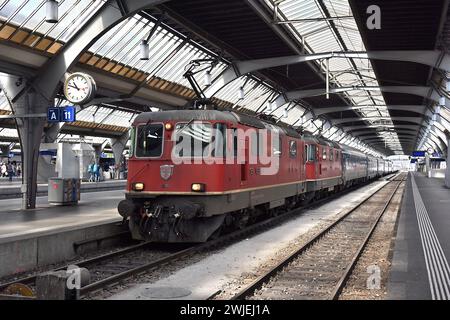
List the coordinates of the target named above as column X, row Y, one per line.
column 74, row 87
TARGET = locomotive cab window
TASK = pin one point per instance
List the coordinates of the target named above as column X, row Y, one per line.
column 324, row 153
column 132, row 141
column 149, row 140
column 293, row 148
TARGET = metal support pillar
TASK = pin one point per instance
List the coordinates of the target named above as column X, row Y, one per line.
column 30, row 130
column 117, row 146
column 98, row 149
column 51, row 132
column 427, row 165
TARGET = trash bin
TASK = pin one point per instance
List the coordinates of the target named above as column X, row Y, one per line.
column 63, row 191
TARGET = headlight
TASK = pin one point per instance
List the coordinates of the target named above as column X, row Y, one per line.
column 198, row 187
column 138, row 186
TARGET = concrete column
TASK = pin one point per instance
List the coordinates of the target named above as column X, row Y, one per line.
column 117, row 146
column 30, row 130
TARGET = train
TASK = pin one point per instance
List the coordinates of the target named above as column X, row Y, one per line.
column 194, row 174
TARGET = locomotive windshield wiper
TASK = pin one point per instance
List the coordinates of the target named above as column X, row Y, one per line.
column 185, row 126
column 144, row 129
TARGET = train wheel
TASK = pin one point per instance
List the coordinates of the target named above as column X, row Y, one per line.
column 241, row 220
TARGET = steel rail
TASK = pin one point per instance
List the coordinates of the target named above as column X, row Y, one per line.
column 82, row 263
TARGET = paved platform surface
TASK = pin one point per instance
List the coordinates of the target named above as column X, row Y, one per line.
column 420, row 268
column 94, row 208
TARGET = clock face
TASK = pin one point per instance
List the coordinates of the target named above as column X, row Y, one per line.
column 78, row 88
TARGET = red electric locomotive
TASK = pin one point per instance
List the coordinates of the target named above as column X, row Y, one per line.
column 323, row 166
column 193, row 172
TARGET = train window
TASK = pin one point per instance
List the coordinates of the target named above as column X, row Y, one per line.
column 235, row 142
column 324, row 153
column 149, row 141
column 293, row 148
column 278, row 149
column 305, row 155
column 331, row 154
column 258, row 142
column 337, row 155
column 132, row 140
column 219, row 140
column 192, row 140
column 312, row 152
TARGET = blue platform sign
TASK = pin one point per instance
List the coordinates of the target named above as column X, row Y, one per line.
column 418, row 154
column 53, row 114
column 68, row 114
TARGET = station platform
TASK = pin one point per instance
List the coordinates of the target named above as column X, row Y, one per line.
column 10, row 190
column 420, row 268
column 47, row 234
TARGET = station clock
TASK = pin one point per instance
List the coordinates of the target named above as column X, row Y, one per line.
column 79, row 88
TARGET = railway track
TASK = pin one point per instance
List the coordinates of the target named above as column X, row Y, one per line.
column 320, row 268
column 112, row 268
column 106, row 265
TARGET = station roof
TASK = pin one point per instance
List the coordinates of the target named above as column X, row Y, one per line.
column 236, row 30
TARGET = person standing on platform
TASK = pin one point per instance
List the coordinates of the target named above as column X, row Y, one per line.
column 9, row 169
column 3, row 169
column 19, row 170
column 96, row 172
column 91, row 172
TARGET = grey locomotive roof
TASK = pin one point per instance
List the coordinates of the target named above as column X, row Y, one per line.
column 209, row 115
column 186, row 115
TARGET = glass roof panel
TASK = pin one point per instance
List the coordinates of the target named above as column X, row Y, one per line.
column 30, row 14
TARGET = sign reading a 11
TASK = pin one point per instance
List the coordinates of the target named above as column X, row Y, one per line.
column 66, row 114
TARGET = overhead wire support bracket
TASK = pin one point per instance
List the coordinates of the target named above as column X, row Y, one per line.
column 192, row 70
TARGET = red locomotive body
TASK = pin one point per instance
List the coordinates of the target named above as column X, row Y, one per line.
column 323, row 166
column 242, row 167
